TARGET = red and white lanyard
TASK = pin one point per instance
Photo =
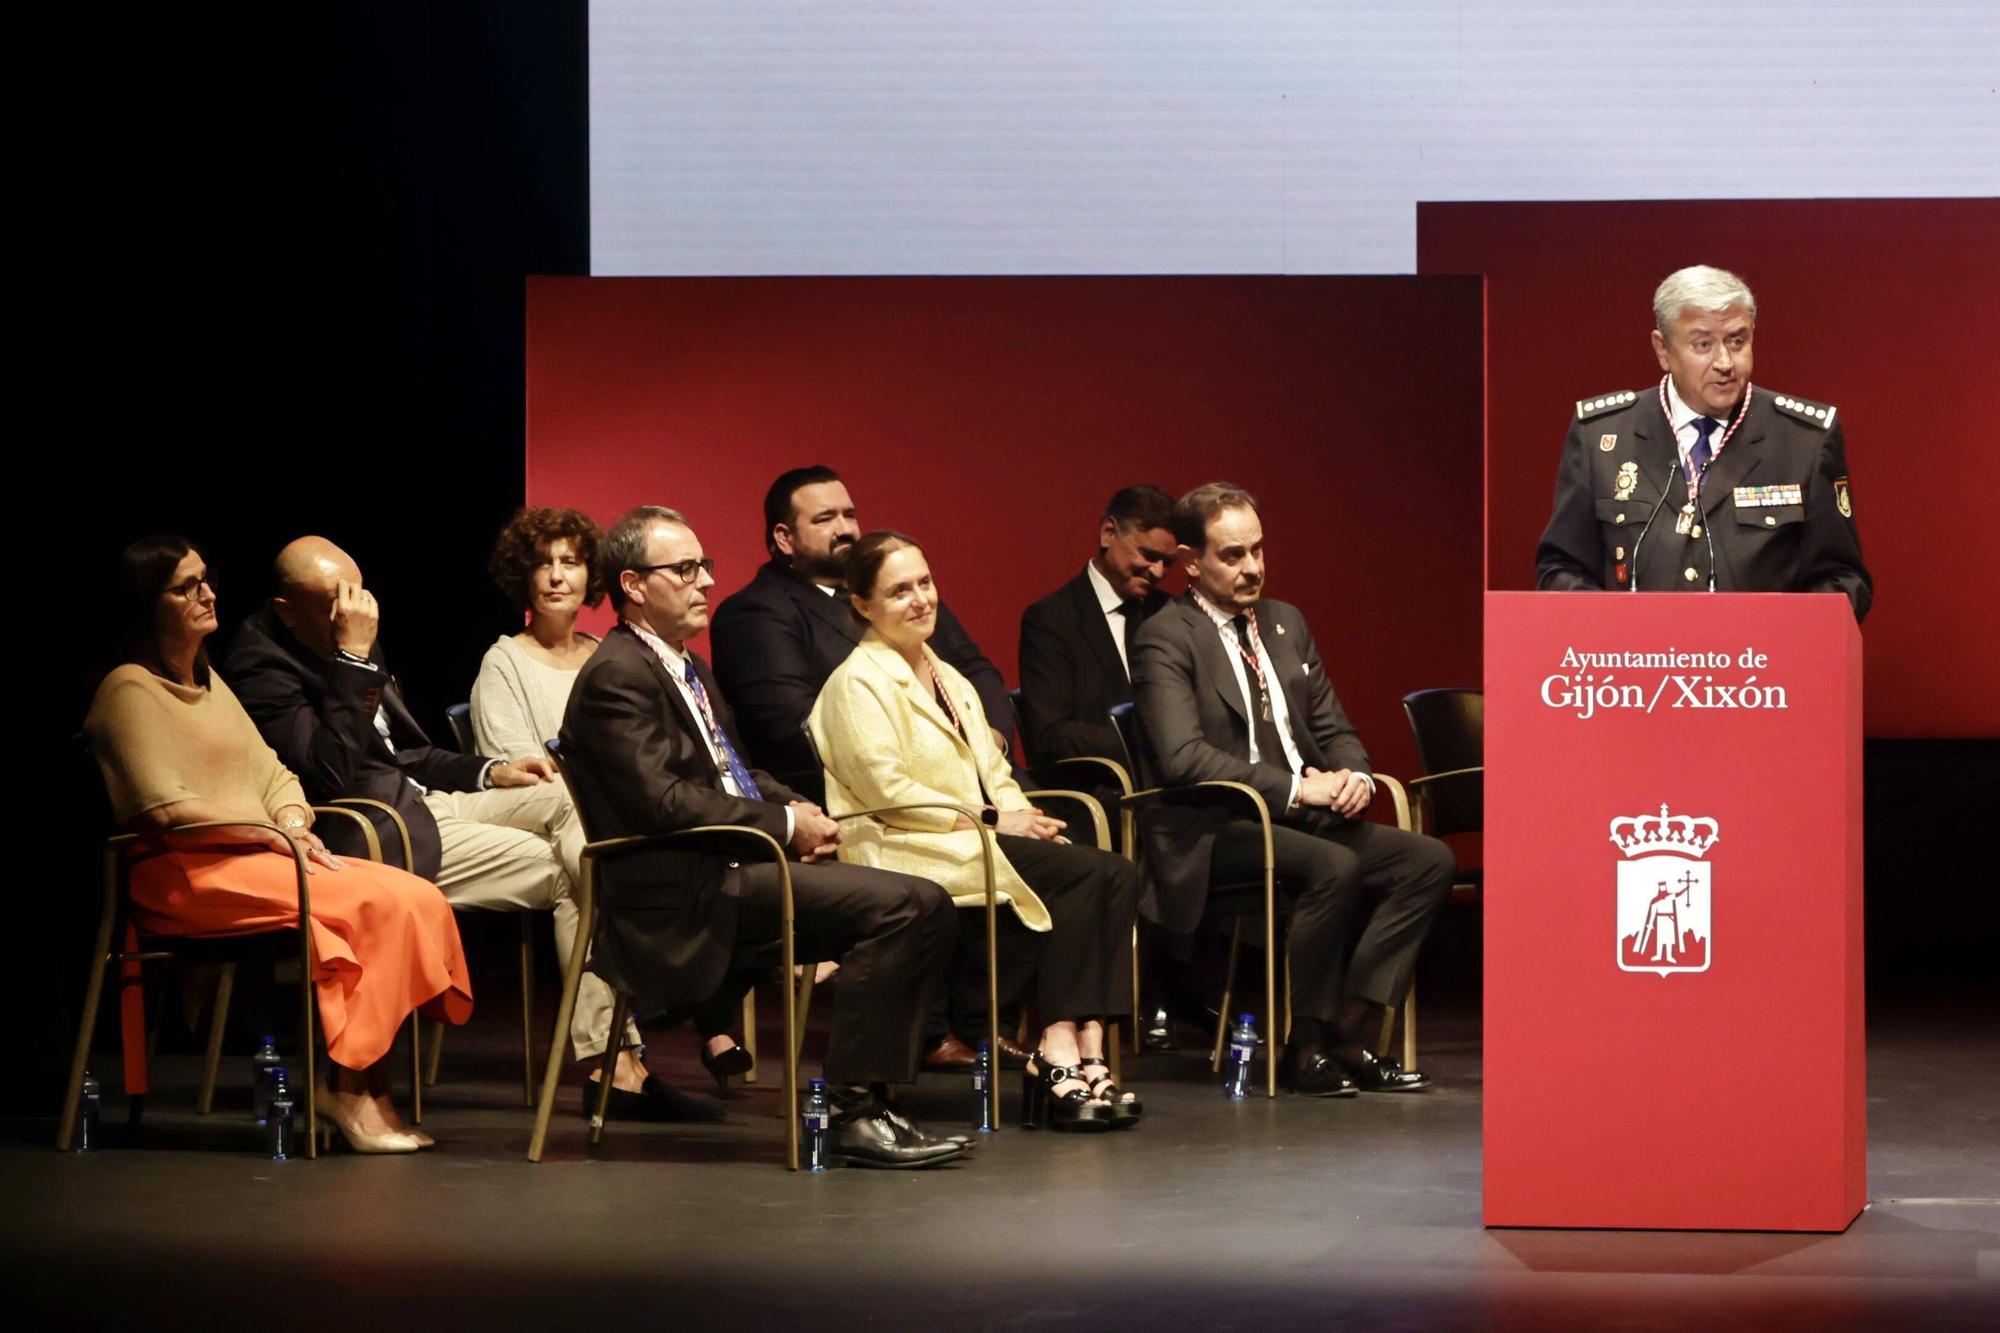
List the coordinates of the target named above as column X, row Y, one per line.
column 1253, row 656
column 1714, row 450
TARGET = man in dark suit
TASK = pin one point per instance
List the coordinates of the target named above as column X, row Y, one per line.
column 779, row 637
column 1076, row 642
column 1076, row 666
column 492, row 835
column 652, row 749
column 1230, row 686
column 1702, row 482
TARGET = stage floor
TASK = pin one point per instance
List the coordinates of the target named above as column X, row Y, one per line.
column 1360, row 1213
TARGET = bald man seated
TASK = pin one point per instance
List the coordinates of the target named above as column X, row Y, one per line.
column 491, row 834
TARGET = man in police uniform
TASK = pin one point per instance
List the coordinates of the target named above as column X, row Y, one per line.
column 1704, row 482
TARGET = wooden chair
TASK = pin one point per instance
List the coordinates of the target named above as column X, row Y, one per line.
column 1115, row 777
column 986, row 849
column 718, row 839
column 1450, row 798
column 460, row 718
column 114, row 919
column 1241, row 900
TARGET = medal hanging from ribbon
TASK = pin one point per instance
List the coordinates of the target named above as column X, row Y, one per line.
column 1684, row 522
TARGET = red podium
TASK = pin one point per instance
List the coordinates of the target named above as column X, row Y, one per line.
column 1673, row 912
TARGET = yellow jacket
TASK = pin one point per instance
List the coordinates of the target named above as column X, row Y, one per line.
column 885, row 741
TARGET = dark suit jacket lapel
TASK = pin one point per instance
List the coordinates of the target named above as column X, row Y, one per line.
column 1211, row 656
column 691, row 725
column 1096, row 628
column 832, row 610
column 1659, row 458
column 1290, row 667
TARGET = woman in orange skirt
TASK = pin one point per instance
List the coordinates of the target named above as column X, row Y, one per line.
column 177, row 748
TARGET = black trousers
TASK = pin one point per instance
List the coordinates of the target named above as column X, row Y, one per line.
column 1081, row 967
column 892, row 936
column 1364, row 897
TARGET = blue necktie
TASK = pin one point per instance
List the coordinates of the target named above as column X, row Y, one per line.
column 746, row 786
column 1699, row 455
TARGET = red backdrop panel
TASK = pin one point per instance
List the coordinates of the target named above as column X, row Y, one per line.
column 1882, row 307
column 991, row 418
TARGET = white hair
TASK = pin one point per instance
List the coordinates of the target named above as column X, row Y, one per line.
column 1699, row 288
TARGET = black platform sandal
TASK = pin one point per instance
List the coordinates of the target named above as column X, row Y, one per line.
column 1126, row 1108
column 1042, row 1108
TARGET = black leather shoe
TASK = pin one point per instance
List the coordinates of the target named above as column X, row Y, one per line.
column 1314, row 1074
column 733, row 1062
column 873, row 1138
column 1379, row 1073
column 1158, row 1033
column 915, row 1133
column 656, row 1102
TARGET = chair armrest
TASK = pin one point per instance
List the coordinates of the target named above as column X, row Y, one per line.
column 395, row 819
column 368, row 838
column 1091, row 805
column 1258, row 806
column 116, row 846
column 1416, row 784
column 1398, row 796
column 1112, row 769
column 971, row 814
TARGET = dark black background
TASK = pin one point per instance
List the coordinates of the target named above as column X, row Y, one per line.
column 281, row 291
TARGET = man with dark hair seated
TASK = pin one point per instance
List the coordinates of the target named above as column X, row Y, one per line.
column 652, row 749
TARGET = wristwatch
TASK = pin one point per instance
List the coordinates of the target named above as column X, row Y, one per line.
column 989, row 815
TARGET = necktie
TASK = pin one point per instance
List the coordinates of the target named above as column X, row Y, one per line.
column 1270, row 747
column 1699, row 455
column 746, row 786
column 1132, row 611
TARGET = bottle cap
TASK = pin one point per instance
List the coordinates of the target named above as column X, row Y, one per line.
column 1247, row 1018
column 816, row 1085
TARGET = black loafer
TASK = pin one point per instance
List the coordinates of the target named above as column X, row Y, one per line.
column 1379, row 1073
column 655, row 1101
column 1314, row 1074
column 1158, row 1033
column 873, row 1138
column 912, row 1132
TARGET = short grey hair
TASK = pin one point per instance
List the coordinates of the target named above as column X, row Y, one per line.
column 1699, row 288
column 625, row 545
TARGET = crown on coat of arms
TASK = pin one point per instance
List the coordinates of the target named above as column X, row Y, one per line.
column 1684, row 835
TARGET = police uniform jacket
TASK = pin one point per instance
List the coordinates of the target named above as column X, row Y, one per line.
column 1775, row 513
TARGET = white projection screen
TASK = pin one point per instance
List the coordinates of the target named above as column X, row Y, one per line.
column 835, row 137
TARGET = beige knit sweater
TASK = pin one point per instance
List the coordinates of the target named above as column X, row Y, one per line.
column 158, row 742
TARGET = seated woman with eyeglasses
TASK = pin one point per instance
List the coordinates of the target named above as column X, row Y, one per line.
column 894, row 724
column 175, row 748
column 545, row 561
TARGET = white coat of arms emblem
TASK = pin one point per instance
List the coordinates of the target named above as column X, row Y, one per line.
column 1664, row 886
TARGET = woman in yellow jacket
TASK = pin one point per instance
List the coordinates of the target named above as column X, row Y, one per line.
column 894, row 724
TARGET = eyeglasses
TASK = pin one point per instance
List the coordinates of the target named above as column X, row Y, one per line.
column 186, row 591
column 684, row 570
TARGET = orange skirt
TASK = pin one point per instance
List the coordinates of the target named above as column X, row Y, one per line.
column 384, row 941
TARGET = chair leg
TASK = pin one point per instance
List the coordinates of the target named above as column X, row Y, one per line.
column 86, row 1029
column 308, row 1041
column 527, row 1009
column 1138, row 1027
column 436, row 1048
column 608, row 1066
column 1272, row 963
column 417, row 1067
column 225, row 985
column 1410, row 1027
column 565, row 1009
column 796, row 1003
column 750, row 1032
column 1228, row 992
column 1288, row 995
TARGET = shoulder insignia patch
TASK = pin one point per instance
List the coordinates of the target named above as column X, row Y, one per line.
column 1813, row 414
column 1586, row 408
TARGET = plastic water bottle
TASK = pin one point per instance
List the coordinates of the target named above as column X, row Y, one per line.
column 261, row 1064
column 814, row 1119
column 278, row 1116
column 1242, row 1049
column 89, row 1103
column 982, row 1083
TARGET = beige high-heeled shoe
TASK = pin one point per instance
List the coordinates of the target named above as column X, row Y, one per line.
column 331, row 1118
